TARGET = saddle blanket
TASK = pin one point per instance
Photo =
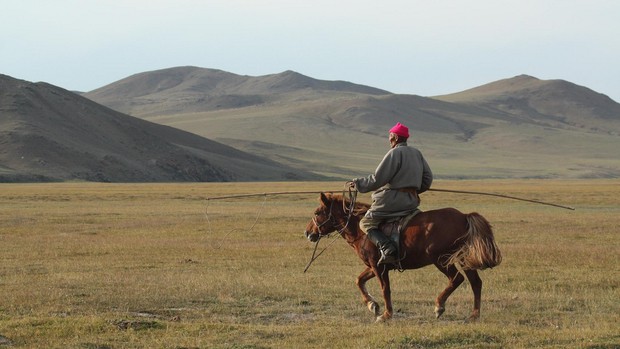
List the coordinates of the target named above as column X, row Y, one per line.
column 392, row 228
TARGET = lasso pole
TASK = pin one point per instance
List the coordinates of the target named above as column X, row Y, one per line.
column 501, row 196
column 270, row 193
column 432, row 189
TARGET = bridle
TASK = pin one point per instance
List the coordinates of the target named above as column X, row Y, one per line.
column 330, row 217
column 332, row 220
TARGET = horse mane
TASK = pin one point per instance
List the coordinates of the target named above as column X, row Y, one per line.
column 359, row 209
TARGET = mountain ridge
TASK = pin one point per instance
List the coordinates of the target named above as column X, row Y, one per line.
column 208, row 124
column 526, row 96
column 192, row 88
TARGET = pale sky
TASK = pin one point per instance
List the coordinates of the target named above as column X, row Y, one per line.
column 423, row 47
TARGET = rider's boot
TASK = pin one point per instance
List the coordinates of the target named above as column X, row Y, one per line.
column 386, row 246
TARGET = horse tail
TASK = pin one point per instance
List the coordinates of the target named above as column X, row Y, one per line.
column 479, row 250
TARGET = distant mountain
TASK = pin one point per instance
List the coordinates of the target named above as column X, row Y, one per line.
column 521, row 127
column 187, row 89
column 50, row 134
column 546, row 102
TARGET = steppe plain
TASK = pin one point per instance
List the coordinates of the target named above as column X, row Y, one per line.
column 92, row 265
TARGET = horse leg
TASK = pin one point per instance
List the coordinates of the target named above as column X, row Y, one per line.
column 476, row 287
column 455, row 279
column 384, row 282
column 370, row 302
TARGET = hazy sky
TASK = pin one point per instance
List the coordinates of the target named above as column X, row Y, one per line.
column 427, row 47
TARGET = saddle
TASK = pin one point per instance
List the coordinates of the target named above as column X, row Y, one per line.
column 393, row 227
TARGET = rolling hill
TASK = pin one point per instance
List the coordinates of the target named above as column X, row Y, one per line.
column 50, row 134
column 555, row 103
column 191, row 89
column 520, row 127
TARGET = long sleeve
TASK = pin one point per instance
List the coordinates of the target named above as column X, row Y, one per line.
column 384, row 172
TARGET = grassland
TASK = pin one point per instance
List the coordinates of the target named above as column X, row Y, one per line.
column 87, row 265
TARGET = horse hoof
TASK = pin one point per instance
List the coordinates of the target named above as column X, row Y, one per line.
column 439, row 311
column 472, row 319
column 383, row 318
column 475, row 315
column 373, row 307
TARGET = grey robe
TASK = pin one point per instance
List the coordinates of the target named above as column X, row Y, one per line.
column 401, row 167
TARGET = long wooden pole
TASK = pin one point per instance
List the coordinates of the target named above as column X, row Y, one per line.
column 270, row 193
column 501, row 196
column 432, row 189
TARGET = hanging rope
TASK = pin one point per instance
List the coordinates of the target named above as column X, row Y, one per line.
column 258, row 214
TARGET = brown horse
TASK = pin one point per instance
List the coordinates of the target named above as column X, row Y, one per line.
column 445, row 238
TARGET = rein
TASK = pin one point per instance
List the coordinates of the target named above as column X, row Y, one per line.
column 314, row 255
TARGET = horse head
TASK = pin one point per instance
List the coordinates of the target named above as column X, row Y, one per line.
column 324, row 221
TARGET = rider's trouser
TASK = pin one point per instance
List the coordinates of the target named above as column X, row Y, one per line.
column 367, row 223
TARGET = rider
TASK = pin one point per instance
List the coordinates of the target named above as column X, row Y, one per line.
column 400, row 177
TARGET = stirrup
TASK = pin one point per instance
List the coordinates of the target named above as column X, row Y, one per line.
column 387, row 259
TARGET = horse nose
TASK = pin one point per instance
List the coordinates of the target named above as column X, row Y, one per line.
column 310, row 236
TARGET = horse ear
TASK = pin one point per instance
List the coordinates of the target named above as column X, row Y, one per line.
column 324, row 199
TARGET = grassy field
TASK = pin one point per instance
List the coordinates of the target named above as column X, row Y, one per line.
column 87, row 265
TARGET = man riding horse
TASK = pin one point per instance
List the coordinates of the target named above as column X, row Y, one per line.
column 400, row 177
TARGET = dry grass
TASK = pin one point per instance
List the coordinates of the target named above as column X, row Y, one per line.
column 140, row 266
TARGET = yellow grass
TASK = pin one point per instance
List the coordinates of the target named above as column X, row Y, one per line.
column 87, row 265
